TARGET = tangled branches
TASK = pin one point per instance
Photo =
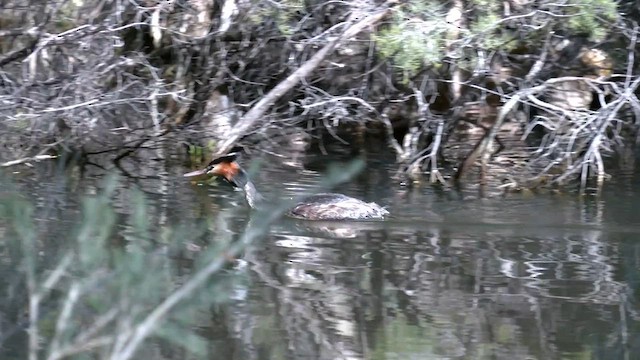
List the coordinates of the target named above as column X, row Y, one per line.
column 132, row 71
column 75, row 87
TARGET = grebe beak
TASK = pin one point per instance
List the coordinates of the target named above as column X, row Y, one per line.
column 195, row 173
column 209, row 170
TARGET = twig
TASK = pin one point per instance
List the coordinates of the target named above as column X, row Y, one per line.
column 631, row 56
column 435, row 173
column 99, row 324
column 84, row 347
column 400, row 155
column 27, row 159
column 63, row 319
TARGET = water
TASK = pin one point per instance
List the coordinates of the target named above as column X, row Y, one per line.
column 449, row 276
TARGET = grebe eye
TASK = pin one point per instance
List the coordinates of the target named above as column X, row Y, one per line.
column 215, row 170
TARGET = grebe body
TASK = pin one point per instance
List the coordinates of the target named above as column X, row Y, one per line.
column 336, row 207
column 327, row 206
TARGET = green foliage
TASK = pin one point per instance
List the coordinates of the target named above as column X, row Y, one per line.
column 486, row 6
column 590, row 17
column 286, row 14
column 67, row 19
column 95, row 228
column 195, row 153
column 484, row 29
column 415, row 39
column 283, row 12
column 487, row 29
column 417, row 36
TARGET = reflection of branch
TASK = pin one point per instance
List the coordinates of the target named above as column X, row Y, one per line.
column 293, row 311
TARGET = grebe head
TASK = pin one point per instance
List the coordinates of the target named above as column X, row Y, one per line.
column 226, row 167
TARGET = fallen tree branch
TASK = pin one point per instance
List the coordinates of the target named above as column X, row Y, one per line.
column 258, row 110
column 481, row 150
column 27, row 159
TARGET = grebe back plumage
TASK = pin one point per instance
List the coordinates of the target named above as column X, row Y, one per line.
column 326, row 206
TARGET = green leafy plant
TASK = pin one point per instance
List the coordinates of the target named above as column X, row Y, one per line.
column 108, row 298
column 415, row 39
column 591, row 17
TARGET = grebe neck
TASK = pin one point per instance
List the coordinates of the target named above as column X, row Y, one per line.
column 252, row 195
column 241, row 180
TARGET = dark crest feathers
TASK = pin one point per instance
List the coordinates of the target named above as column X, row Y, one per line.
column 229, row 157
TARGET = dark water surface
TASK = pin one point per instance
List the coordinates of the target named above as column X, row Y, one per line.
column 450, row 276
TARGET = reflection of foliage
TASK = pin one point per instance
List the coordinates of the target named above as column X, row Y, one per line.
column 393, row 340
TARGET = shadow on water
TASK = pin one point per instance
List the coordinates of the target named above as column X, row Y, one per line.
column 448, row 276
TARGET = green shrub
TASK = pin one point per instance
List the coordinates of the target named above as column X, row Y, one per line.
column 415, row 39
column 104, row 297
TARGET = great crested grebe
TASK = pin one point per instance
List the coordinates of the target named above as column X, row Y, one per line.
column 326, row 206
